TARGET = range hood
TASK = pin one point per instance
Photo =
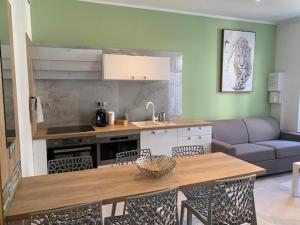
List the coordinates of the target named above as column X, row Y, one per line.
column 66, row 63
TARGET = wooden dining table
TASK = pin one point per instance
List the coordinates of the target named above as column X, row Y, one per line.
column 114, row 184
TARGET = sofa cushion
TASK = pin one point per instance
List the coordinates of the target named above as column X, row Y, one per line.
column 262, row 128
column 283, row 148
column 230, row 131
column 254, row 153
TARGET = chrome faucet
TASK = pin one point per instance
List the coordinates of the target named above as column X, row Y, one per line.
column 154, row 118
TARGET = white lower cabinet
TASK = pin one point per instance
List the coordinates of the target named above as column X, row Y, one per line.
column 160, row 142
column 204, row 140
column 201, row 135
column 40, row 157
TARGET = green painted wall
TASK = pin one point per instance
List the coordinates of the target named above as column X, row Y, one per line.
column 74, row 23
column 3, row 22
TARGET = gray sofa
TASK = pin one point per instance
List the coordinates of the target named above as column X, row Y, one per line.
column 258, row 141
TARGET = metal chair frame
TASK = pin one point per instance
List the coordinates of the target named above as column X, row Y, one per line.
column 193, row 150
column 230, row 202
column 182, row 151
column 159, row 208
column 70, row 164
column 87, row 214
column 128, row 157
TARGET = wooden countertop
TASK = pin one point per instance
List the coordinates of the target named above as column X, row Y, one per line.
column 41, row 133
column 114, row 184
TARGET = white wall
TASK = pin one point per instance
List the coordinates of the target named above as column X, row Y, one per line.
column 288, row 61
column 21, row 22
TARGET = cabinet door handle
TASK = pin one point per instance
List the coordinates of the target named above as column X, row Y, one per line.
column 145, row 78
column 159, row 131
column 189, row 138
column 200, row 137
column 195, row 128
column 132, row 77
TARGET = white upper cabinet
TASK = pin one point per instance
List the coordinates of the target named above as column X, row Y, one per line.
column 127, row 67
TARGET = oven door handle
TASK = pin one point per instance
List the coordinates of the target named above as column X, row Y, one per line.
column 72, row 150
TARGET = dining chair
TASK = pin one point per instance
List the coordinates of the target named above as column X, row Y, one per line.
column 70, row 164
column 159, row 208
column 196, row 192
column 128, row 157
column 191, row 150
column 86, row 214
column 229, row 202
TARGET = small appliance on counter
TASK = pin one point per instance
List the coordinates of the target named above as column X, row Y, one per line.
column 162, row 117
column 101, row 120
column 111, row 117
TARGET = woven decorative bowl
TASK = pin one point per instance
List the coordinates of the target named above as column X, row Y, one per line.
column 155, row 166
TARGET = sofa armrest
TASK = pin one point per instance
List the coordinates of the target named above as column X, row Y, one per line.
column 290, row 136
column 220, row 146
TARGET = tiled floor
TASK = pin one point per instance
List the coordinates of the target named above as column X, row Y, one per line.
column 274, row 203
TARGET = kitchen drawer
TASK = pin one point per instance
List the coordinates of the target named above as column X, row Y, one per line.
column 192, row 131
column 204, row 140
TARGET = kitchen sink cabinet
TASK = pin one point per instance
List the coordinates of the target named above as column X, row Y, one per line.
column 160, row 142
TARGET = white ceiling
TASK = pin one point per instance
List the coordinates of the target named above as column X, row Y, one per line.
column 265, row 11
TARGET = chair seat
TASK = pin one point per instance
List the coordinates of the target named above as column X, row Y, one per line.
column 197, row 192
column 283, row 148
column 254, row 153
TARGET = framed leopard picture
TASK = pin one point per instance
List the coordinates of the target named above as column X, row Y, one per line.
column 238, row 61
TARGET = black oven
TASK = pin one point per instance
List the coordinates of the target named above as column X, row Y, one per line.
column 109, row 146
column 72, row 147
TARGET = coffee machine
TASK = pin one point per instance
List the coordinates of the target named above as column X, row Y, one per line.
column 101, row 120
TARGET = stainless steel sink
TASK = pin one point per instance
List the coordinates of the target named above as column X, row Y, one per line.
column 151, row 123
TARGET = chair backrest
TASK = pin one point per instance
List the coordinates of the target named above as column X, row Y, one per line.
column 129, row 157
column 182, row 151
column 232, row 201
column 75, row 215
column 70, row 164
column 156, row 208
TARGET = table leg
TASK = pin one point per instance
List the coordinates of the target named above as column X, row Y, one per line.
column 295, row 180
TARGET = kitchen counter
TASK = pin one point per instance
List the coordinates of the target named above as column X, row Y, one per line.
column 41, row 133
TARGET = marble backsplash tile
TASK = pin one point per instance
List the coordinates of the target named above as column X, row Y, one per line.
column 74, row 102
